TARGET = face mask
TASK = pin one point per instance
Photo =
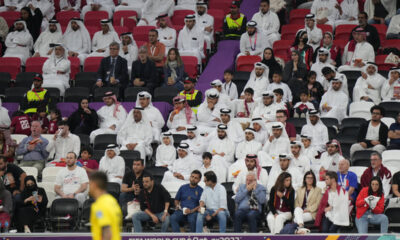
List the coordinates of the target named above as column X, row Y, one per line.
column 305, row 40
column 31, row 188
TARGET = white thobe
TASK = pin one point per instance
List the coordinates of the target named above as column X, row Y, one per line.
column 47, row 9
column 133, row 5
column 247, row 147
column 19, row 38
column 268, row 113
column 330, row 162
column 165, row 155
column 297, row 176
column 261, row 136
column 235, row 132
column 325, row 9
column 268, row 24
column 76, row 42
column 310, row 153
column 114, row 168
column 64, row 145
column 183, row 166
column 387, row 90
column 139, row 133
column 219, row 146
column 4, row 117
column 361, row 88
column 339, row 107
column 191, row 43
column 326, row 84
column 349, row 10
column 255, row 44
column 65, row 3
column 319, row 134
column 258, row 84
column 239, row 106
column 155, row 8
column 156, row 120
column 103, row 41
column 186, row 5
column 206, row 116
column 179, row 121
column 230, row 89
column 197, row 147
column 314, row 36
column 277, row 146
column 105, row 5
column 303, row 163
column 220, row 172
column 241, row 178
column 107, row 119
column 13, row 3
column 204, row 21
column 53, row 79
column 167, row 36
column 363, row 51
column 287, row 93
column 394, row 26
column 317, row 68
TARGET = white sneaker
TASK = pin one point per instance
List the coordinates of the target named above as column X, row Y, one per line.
column 27, row 230
column 302, row 230
column 206, row 230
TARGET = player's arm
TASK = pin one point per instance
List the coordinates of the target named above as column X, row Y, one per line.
column 106, row 233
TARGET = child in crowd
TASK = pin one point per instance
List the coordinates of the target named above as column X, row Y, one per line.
column 314, row 88
column 277, row 83
column 229, row 88
column 166, row 152
column 41, row 116
column 20, row 123
column 90, row 165
column 301, row 108
column 55, row 117
column 246, row 106
column 279, row 100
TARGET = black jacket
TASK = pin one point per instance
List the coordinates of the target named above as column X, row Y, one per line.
column 289, row 202
column 372, row 36
column 147, row 72
column 120, row 72
column 90, row 121
column 383, row 134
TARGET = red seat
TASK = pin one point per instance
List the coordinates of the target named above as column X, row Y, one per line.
column 325, row 28
column 75, row 66
column 219, row 16
column 92, row 64
column 35, row 64
column 190, row 64
column 341, row 44
column 64, row 17
column 92, row 30
column 289, row 31
column 343, row 31
column 93, row 18
column 220, row 4
column 179, row 16
column 121, row 29
column 10, row 17
column 12, row 65
column 141, row 33
column 125, row 18
column 382, row 66
column 140, row 43
column 297, row 16
column 246, row 63
column 281, row 48
column 390, row 43
column 382, row 29
column 178, row 28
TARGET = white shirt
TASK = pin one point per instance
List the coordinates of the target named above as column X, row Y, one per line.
column 268, row 113
column 182, row 166
column 303, row 163
column 64, row 145
column 258, row 84
column 287, row 93
column 339, row 108
column 230, row 89
column 330, row 162
column 138, row 132
column 373, row 132
column 107, row 119
column 387, row 90
column 268, row 23
column 363, row 51
column 165, row 155
column 167, row 36
column 180, row 120
column 253, row 44
column 76, row 41
column 247, row 147
column 114, row 167
column 71, row 180
column 222, row 146
column 277, row 146
column 102, row 41
column 319, row 134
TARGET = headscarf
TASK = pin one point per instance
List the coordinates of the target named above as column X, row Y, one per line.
column 272, row 61
column 254, row 156
column 324, row 51
column 169, row 135
column 299, row 33
column 113, row 147
column 143, row 94
column 337, row 143
column 129, row 121
column 168, row 21
column 331, row 35
column 368, row 64
column 186, row 107
column 59, row 31
column 395, row 69
column 53, row 58
column 116, row 103
column 260, row 122
column 262, row 65
column 82, row 29
column 109, row 23
column 298, row 143
column 130, row 35
column 7, row 136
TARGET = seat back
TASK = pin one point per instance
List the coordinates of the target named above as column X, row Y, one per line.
column 5, row 79
column 391, row 108
column 85, row 217
column 49, row 174
column 114, row 189
column 63, row 17
column 31, row 171
column 12, row 65
column 99, row 93
column 75, row 66
column 281, row 48
column 129, row 156
column 141, row 33
column 18, row 137
column 49, row 189
column 178, row 138
column 85, row 79
column 127, row 18
column 15, row 94
column 93, row 18
column 343, row 31
column 240, row 79
column 289, row 31
column 10, row 17
column 35, row 64
column 246, row 63
column 358, row 170
column 131, row 93
column 361, row 109
column 190, row 65
column 62, row 207
column 179, row 16
column 24, row 79
column 101, row 141
column 165, row 94
column 362, row 158
column 157, row 173
column 85, row 140
column 297, row 16
column 76, row 94
column 219, row 16
column 92, row 64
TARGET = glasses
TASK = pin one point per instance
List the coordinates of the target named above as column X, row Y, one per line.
column 376, row 113
column 114, row 48
column 280, row 116
column 309, row 177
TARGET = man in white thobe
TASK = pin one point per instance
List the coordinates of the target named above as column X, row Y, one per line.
column 179, row 173
column 223, row 98
column 347, row 12
column 252, row 42
column 308, row 149
column 136, row 134
column 278, row 84
column 278, row 142
column 249, row 146
column 77, row 39
column 258, row 80
column 322, row 61
column 368, row 86
column 197, row 144
column 261, row 134
column 103, row 38
column 68, row 5
column 316, row 130
column 313, row 32
column 222, row 148
column 166, row 32
column 235, row 131
column 63, row 142
column 111, row 116
column 144, row 100
column 191, row 39
column 112, row 164
column 354, row 58
column 329, row 160
column 285, row 164
column 252, row 165
column 99, row 5
column 51, row 35
column 325, row 11
column 391, row 87
column 329, row 74
column 330, row 105
column 393, row 31
column 132, row 5
column 208, row 114
column 267, row 108
column 56, row 69
column 299, row 159
column 267, row 22
column 186, row 5
column 46, row 7
column 13, row 5
column 19, row 43
column 128, row 49
column 154, row 8
column 205, row 22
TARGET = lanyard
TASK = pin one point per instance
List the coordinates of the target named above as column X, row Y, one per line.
column 229, row 90
column 343, row 181
column 153, row 50
column 255, row 42
column 37, row 95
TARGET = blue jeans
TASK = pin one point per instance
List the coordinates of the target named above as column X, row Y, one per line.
column 328, row 226
column 126, row 197
column 375, row 219
column 251, row 216
column 178, row 218
column 221, row 216
column 141, row 216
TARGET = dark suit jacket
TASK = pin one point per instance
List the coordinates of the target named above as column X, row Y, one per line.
column 120, row 72
column 383, row 134
column 147, row 73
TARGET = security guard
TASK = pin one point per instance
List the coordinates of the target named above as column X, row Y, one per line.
column 193, row 96
column 36, row 97
column 234, row 23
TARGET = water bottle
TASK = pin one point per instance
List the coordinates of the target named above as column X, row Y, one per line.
column 6, row 227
